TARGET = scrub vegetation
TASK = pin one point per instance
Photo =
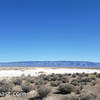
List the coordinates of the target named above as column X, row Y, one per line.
column 76, row 86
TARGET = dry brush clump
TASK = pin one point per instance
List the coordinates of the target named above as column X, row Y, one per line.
column 55, row 83
column 17, row 88
column 98, row 75
column 65, row 88
column 6, row 85
column 30, row 78
column 17, row 80
column 26, row 86
column 43, row 91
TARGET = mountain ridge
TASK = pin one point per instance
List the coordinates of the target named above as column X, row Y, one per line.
column 51, row 64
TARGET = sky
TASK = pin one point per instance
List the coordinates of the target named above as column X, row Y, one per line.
column 51, row 30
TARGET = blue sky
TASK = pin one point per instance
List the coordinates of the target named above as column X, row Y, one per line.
column 49, row 30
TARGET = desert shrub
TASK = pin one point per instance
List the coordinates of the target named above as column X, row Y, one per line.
column 23, row 77
column 17, row 88
column 95, row 73
column 93, row 82
column 17, row 80
column 81, row 87
column 39, row 81
column 74, row 82
column 55, row 83
column 54, row 77
column 64, row 79
column 6, row 86
column 44, row 77
column 77, row 90
column 43, row 91
column 26, row 86
column 3, row 88
column 86, row 74
column 30, row 79
column 98, row 75
column 61, row 75
column 74, row 75
column 78, row 78
column 69, row 74
column 65, row 88
column 77, row 74
column 88, row 96
column 85, row 79
column 92, row 77
column 81, row 75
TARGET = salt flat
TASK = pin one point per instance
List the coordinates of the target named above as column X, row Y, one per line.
column 38, row 71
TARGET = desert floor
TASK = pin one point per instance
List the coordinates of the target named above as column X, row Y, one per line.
column 54, row 83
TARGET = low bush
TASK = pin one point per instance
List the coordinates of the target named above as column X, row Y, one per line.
column 98, row 75
column 93, row 82
column 17, row 88
column 64, row 79
column 26, row 86
column 30, row 79
column 43, row 91
column 6, row 86
column 77, row 90
column 74, row 75
column 39, row 81
column 74, row 82
column 65, row 88
column 17, row 80
column 92, row 77
column 55, row 83
column 85, row 79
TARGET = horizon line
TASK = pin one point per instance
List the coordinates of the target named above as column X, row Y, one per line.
column 49, row 61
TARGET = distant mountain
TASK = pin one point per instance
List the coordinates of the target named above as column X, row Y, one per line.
column 51, row 64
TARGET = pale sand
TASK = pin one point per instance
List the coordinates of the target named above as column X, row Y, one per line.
column 38, row 71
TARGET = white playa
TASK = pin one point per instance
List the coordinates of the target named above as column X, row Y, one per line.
column 38, row 71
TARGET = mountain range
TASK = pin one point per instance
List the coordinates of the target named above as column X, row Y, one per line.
column 51, row 64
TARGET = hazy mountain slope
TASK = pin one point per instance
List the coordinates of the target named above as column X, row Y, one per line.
column 51, row 64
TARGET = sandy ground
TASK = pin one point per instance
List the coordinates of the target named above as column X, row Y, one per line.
column 38, row 71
